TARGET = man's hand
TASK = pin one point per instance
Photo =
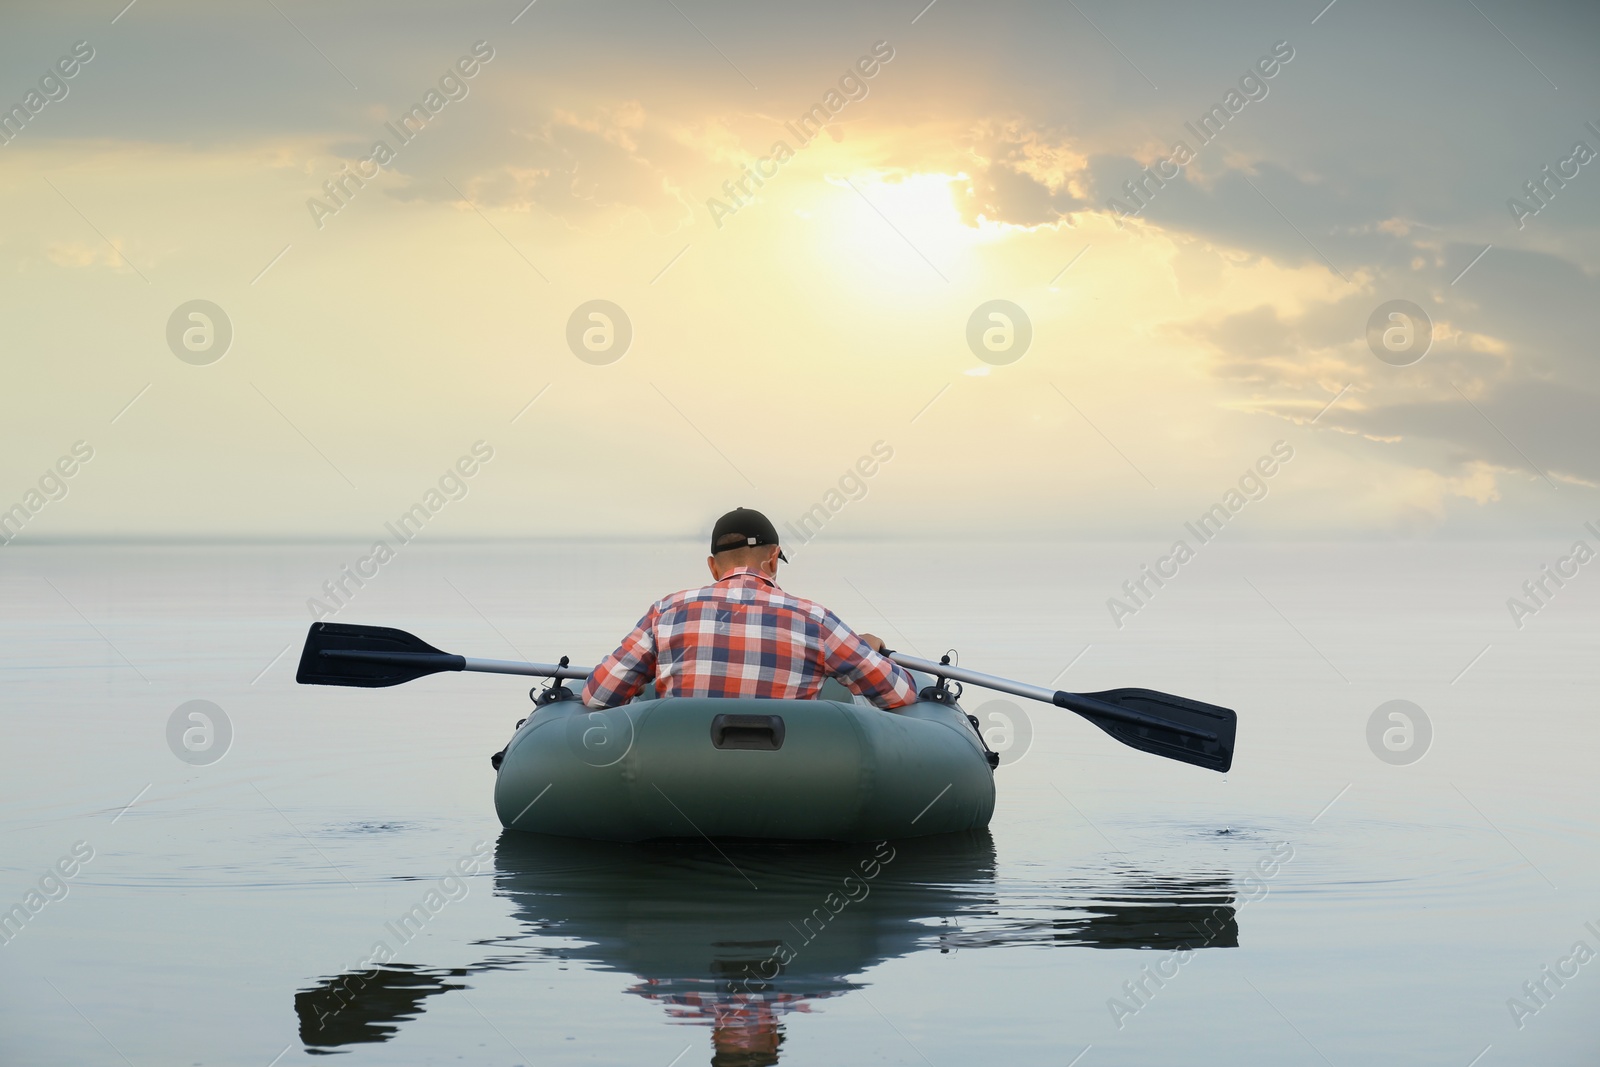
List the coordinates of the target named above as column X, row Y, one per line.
column 873, row 641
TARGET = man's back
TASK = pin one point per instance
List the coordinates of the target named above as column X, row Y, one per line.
column 742, row 636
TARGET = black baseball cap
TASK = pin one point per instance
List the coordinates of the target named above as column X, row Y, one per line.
column 753, row 526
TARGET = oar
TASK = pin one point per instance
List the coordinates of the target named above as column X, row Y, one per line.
column 1186, row 730
column 1159, row 723
column 338, row 653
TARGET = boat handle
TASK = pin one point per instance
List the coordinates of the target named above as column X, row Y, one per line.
column 759, row 732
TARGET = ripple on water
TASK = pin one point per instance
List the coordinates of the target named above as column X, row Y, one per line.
column 369, row 828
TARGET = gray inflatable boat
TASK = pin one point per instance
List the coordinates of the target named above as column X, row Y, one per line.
column 798, row 770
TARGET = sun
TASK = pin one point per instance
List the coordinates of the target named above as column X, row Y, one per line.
column 923, row 202
column 884, row 220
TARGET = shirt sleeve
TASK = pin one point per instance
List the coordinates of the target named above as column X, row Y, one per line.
column 851, row 660
column 620, row 677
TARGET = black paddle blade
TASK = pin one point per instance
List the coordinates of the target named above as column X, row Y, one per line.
column 338, row 653
column 1189, row 731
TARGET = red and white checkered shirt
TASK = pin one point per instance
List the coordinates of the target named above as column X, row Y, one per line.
column 744, row 637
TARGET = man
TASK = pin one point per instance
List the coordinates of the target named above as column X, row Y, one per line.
column 742, row 636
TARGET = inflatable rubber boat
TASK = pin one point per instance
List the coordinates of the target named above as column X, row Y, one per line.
column 829, row 769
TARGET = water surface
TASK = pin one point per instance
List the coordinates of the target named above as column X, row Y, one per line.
column 1315, row 905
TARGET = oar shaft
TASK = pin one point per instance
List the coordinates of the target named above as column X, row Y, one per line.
column 988, row 681
column 537, row 670
column 1083, row 705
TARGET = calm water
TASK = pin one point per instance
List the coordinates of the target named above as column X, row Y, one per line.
column 1318, row 904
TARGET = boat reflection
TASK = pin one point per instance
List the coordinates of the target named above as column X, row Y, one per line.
column 738, row 936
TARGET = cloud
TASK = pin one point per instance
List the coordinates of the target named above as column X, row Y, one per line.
column 1477, row 404
column 78, row 254
column 1540, row 429
column 591, row 170
column 1020, row 176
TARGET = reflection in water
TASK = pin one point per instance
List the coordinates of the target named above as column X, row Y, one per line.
column 364, row 1006
column 1168, row 914
column 738, row 936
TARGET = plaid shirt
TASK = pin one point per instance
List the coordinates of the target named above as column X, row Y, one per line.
column 744, row 637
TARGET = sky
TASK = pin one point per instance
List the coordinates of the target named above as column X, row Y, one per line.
column 786, row 338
